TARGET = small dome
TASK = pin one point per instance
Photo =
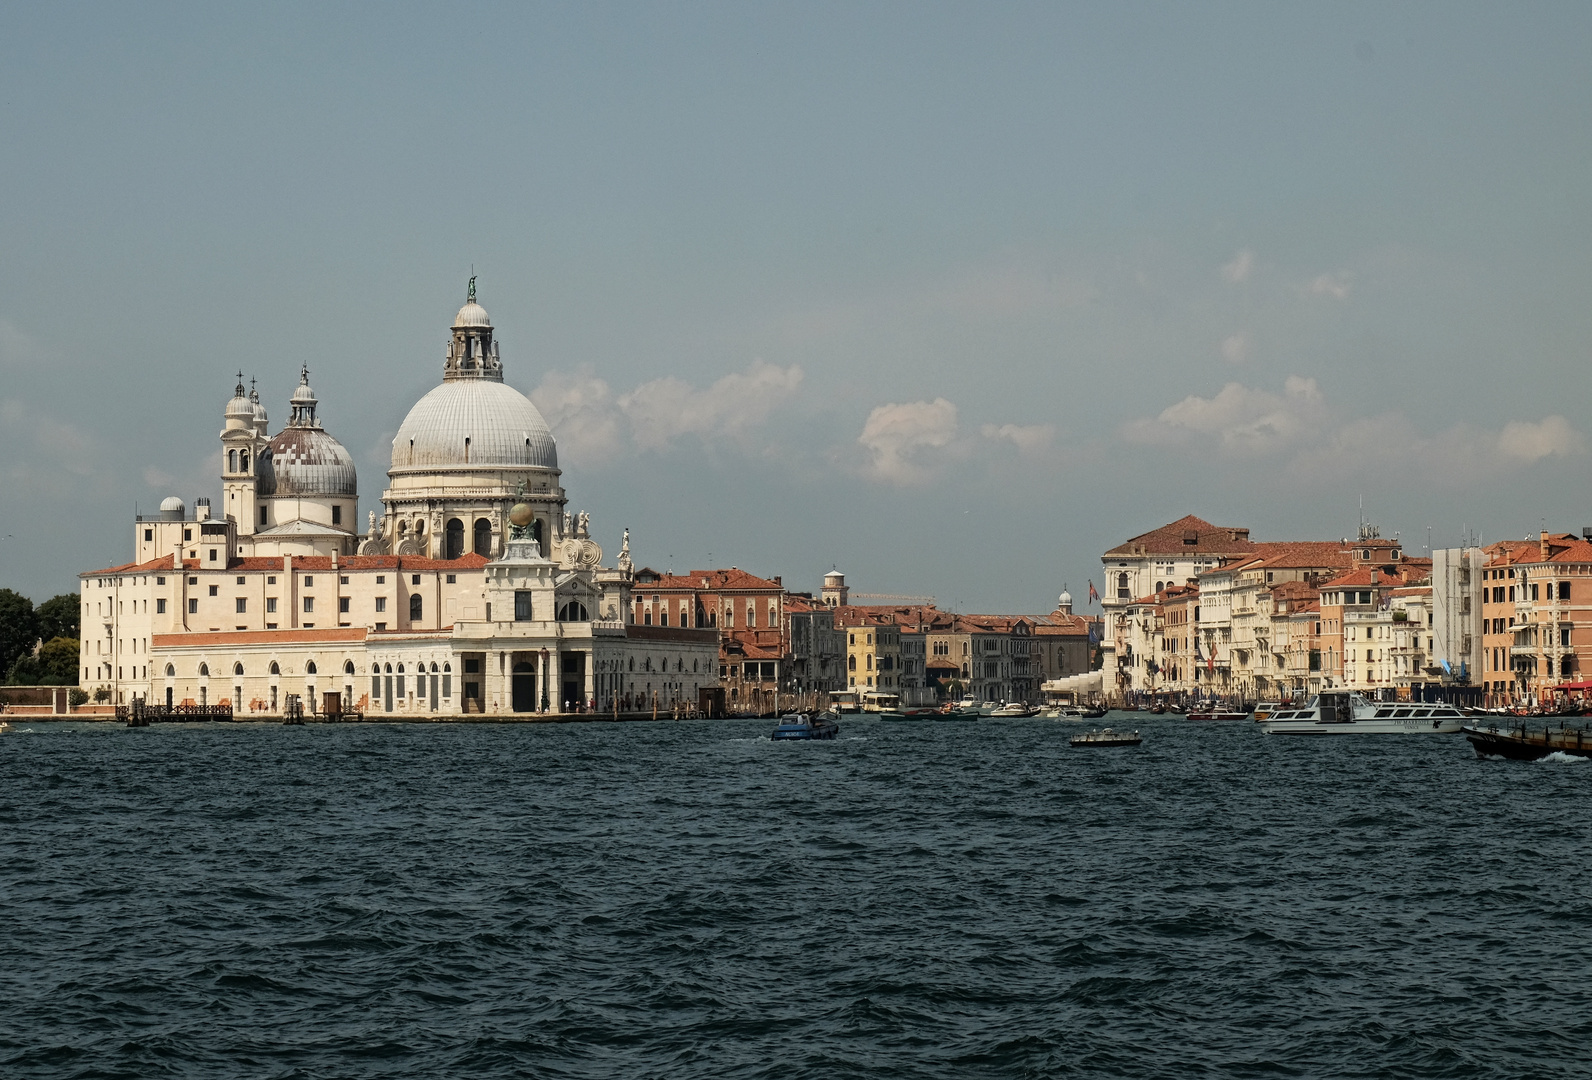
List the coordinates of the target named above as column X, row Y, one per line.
column 302, row 394
column 471, row 314
column 474, row 422
column 240, row 408
column 307, row 461
column 172, row 502
column 1066, row 597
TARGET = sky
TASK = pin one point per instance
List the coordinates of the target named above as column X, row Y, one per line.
column 950, row 297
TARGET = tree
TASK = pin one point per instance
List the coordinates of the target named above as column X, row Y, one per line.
column 58, row 617
column 58, row 662
column 19, row 627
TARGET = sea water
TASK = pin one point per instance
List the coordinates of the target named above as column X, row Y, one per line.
column 692, row 899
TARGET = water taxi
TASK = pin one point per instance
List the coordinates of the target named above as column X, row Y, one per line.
column 1344, row 712
column 1014, row 709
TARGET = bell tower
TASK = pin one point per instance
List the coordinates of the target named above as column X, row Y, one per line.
column 242, row 439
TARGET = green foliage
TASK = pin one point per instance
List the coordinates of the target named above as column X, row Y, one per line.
column 19, row 627
column 102, row 693
column 58, row 617
column 77, row 697
column 58, row 661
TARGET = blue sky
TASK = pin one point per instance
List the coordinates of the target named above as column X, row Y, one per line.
column 953, row 297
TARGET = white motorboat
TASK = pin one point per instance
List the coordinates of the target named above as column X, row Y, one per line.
column 1343, row 712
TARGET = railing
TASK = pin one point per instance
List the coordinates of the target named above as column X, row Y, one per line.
column 139, row 714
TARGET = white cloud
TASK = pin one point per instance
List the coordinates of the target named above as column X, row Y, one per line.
column 734, row 406
column 1336, row 285
column 1239, row 269
column 594, row 426
column 1312, row 443
column 1028, row 438
column 1235, row 348
column 1239, row 418
column 900, row 439
column 1527, row 442
column 580, row 409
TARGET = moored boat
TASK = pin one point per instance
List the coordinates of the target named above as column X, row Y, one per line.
column 796, row 726
column 1217, row 714
column 1343, row 712
column 1106, row 737
column 1519, row 744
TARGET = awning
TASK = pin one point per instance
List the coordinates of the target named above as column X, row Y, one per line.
column 1584, row 684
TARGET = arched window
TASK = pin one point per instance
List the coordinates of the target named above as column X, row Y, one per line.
column 389, row 668
column 237, row 669
column 309, row 668
column 1122, row 587
column 455, row 539
column 171, row 671
column 851, row 663
column 204, row 671
column 632, row 663
column 232, row 461
column 445, row 667
column 414, row 607
column 574, row 611
column 348, row 667
column 275, row 670
column 400, row 669
column 243, row 461
column 483, row 537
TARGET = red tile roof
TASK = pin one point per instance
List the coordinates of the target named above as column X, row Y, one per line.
column 1188, row 534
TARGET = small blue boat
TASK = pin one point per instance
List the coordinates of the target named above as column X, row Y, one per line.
column 798, row 726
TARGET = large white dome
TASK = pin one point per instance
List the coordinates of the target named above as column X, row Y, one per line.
column 474, row 422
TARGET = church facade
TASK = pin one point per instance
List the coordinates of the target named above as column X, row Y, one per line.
column 442, row 606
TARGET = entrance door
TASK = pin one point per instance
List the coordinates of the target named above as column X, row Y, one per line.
column 524, row 687
column 168, row 697
column 572, row 667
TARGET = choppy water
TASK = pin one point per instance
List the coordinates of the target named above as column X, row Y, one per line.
column 684, row 900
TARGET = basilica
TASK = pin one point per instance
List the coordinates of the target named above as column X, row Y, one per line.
column 474, row 590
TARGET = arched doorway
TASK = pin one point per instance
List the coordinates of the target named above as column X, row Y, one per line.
column 483, row 537
column 455, row 539
column 524, row 687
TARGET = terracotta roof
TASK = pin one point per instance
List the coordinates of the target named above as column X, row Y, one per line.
column 730, row 580
column 1300, row 554
column 1058, row 625
column 1362, row 576
column 1188, row 534
column 1294, row 590
column 151, row 567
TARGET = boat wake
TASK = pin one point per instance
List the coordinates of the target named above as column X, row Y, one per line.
column 1559, row 757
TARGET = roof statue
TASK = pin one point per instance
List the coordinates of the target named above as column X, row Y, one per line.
column 471, row 298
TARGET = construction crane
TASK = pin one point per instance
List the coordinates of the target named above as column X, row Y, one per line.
column 926, row 601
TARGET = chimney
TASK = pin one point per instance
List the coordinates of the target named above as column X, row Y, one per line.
column 1542, row 546
column 334, row 559
column 1373, row 575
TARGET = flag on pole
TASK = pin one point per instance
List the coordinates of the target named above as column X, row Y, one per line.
column 1094, row 597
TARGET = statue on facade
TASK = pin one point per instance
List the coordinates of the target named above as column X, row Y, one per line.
column 624, row 554
column 568, row 525
column 582, row 526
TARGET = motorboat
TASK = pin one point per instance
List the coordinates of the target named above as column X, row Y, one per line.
column 1216, row 713
column 1106, row 737
column 798, row 726
column 1014, row 709
column 1344, row 712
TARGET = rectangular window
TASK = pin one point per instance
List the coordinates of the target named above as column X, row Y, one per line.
column 343, row 580
column 160, row 581
column 472, row 667
column 240, row 580
column 342, row 603
column 447, row 686
column 271, row 580
column 1564, row 590
column 193, row 605
column 270, row 605
column 212, row 554
column 1534, row 589
column 522, row 605
column 381, row 579
column 149, row 534
column 160, row 606
column 215, row 590
column 262, row 515
column 452, row 579
column 187, row 535
column 337, row 514
column 309, row 581
column 414, row 579
column 309, row 604
column 381, row 603
column 242, row 605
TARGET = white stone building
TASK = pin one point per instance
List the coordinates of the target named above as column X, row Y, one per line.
column 435, row 611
